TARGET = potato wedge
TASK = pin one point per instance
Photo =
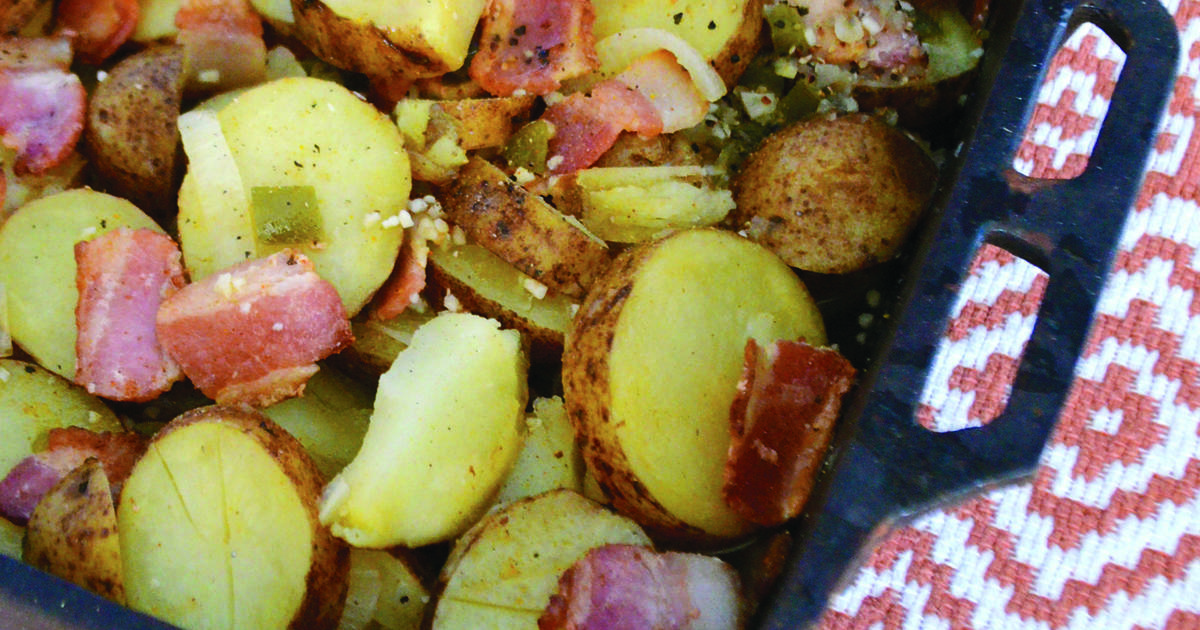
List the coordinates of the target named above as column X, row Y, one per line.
column 505, row 569
column 407, row 38
column 653, row 419
column 834, row 195
column 524, row 230
column 385, row 591
column 486, row 285
column 73, row 533
column 447, row 425
column 486, row 122
column 232, row 497
column 724, row 32
column 344, row 157
column 638, row 203
column 37, row 267
column 549, row 458
column 132, row 133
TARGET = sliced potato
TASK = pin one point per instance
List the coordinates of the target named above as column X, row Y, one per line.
column 73, row 533
column 652, row 364
column 232, row 497
column 329, row 420
column 37, row 267
column 549, row 458
column 834, row 195
column 307, row 135
column 132, row 134
column 524, row 230
column 484, row 284
column 385, row 591
column 505, row 569
column 725, row 32
column 447, row 424
column 408, row 38
column 633, row 204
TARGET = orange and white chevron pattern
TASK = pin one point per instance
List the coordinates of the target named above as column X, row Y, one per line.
column 1108, row 533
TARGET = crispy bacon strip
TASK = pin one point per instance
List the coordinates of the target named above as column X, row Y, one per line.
column 781, row 422
column 587, row 125
column 99, row 26
column 34, row 476
column 533, row 45
column 253, row 333
column 222, row 42
column 123, row 276
column 626, row 586
column 42, row 104
column 405, row 284
column 669, row 88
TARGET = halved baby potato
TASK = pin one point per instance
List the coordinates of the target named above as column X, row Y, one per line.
column 652, row 364
column 218, row 528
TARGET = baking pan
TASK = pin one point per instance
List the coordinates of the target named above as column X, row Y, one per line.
column 884, row 467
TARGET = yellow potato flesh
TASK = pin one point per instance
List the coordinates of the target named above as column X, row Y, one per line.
column 445, row 430
column 446, row 25
column 677, row 356
column 37, row 267
column 695, row 16
column 304, row 132
column 213, row 533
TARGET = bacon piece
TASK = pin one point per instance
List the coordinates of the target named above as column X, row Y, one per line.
column 625, row 586
column 222, row 42
column 34, row 476
column 587, row 125
column 42, row 103
column 99, row 26
column 781, row 422
column 874, row 37
column 123, row 276
column 533, row 45
column 405, row 284
column 253, row 333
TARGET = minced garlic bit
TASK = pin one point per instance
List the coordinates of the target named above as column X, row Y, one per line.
column 101, row 76
column 523, row 175
column 417, row 206
column 451, row 303
column 277, row 326
column 535, row 288
column 406, row 220
column 441, row 226
column 371, row 218
column 244, row 307
column 93, row 417
column 4, row 374
column 574, row 309
column 211, row 75
column 391, row 222
column 519, row 92
column 553, row 98
column 224, row 286
column 458, row 236
column 88, row 232
column 554, row 161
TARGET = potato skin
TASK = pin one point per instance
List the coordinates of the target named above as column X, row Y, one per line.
column 362, row 47
column 132, row 134
column 329, row 572
column 834, row 195
column 524, row 230
column 740, row 49
column 585, row 377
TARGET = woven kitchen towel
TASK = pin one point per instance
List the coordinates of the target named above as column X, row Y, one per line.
column 1107, row 535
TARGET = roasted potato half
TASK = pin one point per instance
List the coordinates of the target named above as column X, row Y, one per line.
column 725, row 32
column 218, row 528
column 833, row 195
column 132, row 131
column 651, row 368
column 408, row 38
